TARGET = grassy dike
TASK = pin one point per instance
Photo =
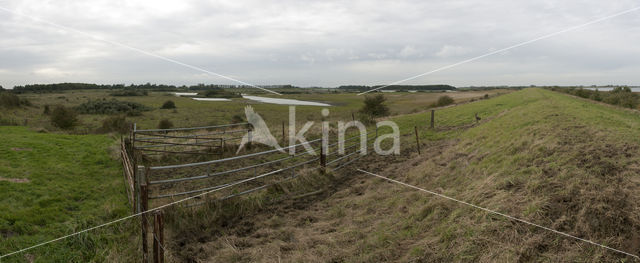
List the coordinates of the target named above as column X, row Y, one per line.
column 549, row 158
column 545, row 157
column 53, row 185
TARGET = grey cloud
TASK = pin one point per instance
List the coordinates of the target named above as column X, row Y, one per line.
column 323, row 43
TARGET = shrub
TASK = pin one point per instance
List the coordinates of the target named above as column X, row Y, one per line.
column 165, row 124
column 8, row 122
column 219, row 93
column 116, row 123
column 620, row 96
column 486, row 96
column 46, row 110
column 10, row 100
column 168, row 105
column 374, row 106
column 128, row 93
column 63, row 117
column 110, row 107
column 237, row 119
column 443, row 101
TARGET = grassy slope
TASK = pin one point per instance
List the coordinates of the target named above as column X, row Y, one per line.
column 74, row 183
column 542, row 156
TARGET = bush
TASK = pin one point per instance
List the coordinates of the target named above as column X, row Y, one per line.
column 63, row 117
column 444, row 101
column 116, row 123
column 10, row 100
column 219, row 93
column 374, row 106
column 110, row 107
column 486, row 96
column 237, row 119
column 129, row 93
column 620, row 96
column 8, row 122
column 46, row 110
column 168, row 105
column 165, row 124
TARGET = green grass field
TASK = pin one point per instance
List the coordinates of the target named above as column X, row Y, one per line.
column 54, row 184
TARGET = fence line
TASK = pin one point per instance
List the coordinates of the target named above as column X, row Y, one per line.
column 147, row 187
column 165, row 136
column 194, row 128
column 231, row 158
column 128, row 171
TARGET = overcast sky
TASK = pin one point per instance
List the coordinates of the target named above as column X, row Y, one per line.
column 320, row 43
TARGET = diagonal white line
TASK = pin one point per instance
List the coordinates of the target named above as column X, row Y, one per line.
column 66, row 28
column 501, row 214
column 507, row 48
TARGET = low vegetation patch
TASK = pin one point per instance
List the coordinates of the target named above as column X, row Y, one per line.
column 111, row 107
column 8, row 122
column 117, row 123
column 165, row 124
column 129, row 93
column 374, row 107
column 443, row 101
column 10, row 100
column 219, row 93
column 63, row 117
column 168, row 105
column 619, row 96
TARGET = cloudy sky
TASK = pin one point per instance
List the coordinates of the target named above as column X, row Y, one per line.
column 319, row 43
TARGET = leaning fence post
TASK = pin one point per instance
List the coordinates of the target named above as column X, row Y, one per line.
column 158, row 237
column 323, row 156
column 138, row 182
column 249, row 136
column 144, row 205
column 432, row 118
column 284, row 141
column 415, row 128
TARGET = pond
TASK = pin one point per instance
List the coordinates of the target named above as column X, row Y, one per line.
column 211, row 99
column 285, row 101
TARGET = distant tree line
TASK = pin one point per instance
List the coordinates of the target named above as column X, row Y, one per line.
column 361, row 88
column 43, row 88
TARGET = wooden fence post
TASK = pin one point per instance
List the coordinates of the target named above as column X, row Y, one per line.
column 353, row 117
column 415, row 128
column 284, row 141
column 249, row 135
column 144, row 205
column 323, row 158
column 158, row 237
column 432, row 119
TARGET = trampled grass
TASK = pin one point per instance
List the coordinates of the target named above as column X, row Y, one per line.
column 56, row 185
